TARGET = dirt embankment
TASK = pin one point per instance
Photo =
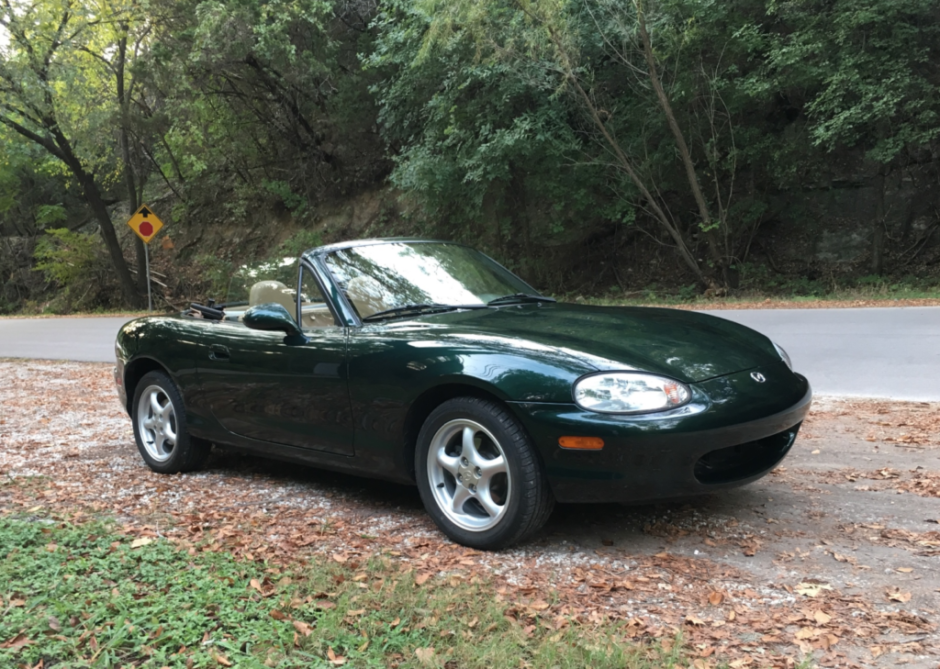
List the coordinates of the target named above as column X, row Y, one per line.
column 835, row 554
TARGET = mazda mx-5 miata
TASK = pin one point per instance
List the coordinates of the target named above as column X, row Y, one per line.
column 427, row 362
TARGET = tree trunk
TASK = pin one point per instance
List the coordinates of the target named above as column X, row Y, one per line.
column 878, row 227
column 100, row 212
column 132, row 197
column 98, row 208
column 713, row 241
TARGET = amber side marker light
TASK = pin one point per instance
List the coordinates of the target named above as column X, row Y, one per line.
column 581, row 443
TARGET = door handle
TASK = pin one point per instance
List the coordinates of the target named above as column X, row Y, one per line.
column 219, row 352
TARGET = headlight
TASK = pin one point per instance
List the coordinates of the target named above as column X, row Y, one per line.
column 783, row 355
column 627, row 392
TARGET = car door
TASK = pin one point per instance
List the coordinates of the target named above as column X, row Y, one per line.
column 270, row 388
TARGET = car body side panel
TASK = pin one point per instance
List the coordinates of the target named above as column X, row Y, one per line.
column 390, row 367
column 173, row 343
column 263, row 386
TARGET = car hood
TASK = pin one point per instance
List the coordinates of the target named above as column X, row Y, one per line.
column 685, row 345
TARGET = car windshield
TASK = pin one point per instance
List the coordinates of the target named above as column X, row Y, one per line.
column 392, row 275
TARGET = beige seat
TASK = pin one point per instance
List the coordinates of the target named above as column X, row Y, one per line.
column 265, row 292
column 365, row 293
column 316, row 315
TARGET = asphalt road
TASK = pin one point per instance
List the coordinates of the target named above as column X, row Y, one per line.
column 883, row 352
column 886, row 352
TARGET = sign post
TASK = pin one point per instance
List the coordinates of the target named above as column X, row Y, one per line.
column 146, row 225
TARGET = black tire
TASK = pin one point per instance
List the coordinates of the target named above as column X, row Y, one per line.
column 525, row 496
column 185, row 453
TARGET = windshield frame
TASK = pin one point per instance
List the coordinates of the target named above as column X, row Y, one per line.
column 318, row 256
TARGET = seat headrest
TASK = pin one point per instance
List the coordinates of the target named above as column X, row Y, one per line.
column 264, row 292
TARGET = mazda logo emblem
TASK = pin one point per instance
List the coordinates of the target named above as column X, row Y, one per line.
column 757, row 376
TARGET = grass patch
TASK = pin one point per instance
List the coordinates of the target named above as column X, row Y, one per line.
column 88, row 596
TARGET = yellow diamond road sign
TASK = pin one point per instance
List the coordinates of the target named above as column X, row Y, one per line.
column 145, row 224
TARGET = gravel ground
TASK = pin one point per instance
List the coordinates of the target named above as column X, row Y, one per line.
column 834, row 555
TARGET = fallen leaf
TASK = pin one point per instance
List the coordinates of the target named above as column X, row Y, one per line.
column 221, row 659
column 425, row 655
column 254, row 583
column 277, row 615
column 421, row 579
column 811, row 589
column 898, row 596
column 807, row 633
column 334, row 658
column 821, row 617
column 904, row 570
column 302, row 627
column 339, row 557
column 715, row 598
column 692, row 620
column 143, row 541
column 18, row 641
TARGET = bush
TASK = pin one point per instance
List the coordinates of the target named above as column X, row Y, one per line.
column 78, row 264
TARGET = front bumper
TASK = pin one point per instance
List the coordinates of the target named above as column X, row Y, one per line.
column 732, row 433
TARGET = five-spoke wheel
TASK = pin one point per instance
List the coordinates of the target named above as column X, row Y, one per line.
column 156, row 422
column 160, row 427
column 479, row 476
column 469, row 474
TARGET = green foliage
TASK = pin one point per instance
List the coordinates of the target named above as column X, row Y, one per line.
column 149, row 606
column 296, row 203
column 469, row 108
column 91, row 597
column 47, row 214
column 64, row 256
column 298, row 243
column 217, row 273
column 869, row 66
column 78, row 264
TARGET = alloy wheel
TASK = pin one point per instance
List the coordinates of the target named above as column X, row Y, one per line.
column 156, row 422
column 469, row 475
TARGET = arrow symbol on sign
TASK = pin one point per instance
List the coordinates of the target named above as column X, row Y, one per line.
column 145, row 212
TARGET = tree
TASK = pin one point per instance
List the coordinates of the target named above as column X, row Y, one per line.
column 625, row 66
column 868, row 72
column 51, row 93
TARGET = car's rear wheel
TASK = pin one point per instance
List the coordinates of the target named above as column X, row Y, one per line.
column 159, row 419
column 479, row 475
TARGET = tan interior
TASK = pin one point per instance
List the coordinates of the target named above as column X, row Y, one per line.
column 265, row 292
column 366, row 296
column 315, row 315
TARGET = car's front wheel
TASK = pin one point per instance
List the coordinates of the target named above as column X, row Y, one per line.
column 479, row 475
column 160, row 427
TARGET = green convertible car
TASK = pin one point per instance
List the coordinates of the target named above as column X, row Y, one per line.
column 427, row 362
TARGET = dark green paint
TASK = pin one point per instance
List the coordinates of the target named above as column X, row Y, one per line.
column 272, row 318
column 351, row 398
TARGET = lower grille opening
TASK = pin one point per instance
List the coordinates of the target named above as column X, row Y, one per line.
column 744, row 460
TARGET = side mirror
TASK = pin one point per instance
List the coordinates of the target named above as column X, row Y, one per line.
column 272, row 317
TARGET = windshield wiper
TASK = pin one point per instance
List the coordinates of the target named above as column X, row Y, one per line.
column 411, row 309
column 520, row 297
